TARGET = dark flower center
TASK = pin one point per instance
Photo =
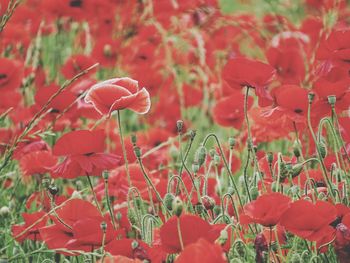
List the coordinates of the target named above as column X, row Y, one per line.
column 3, row 76
column 89, row 154
column 76, row 3
column 298, row 111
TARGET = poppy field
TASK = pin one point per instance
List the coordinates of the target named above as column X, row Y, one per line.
column 177, row 131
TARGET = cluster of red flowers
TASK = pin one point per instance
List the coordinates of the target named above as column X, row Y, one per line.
column 157, row 193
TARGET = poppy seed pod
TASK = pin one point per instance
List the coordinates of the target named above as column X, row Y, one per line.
column 53, row 189
column 177, row 206
column 332, row 100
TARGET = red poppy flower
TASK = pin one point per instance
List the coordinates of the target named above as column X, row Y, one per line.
column 84, row 151
column 117, row 94
column 38, row 162
column 266, row 210
column 76, row 64
column 78, row 227
column 336, row 48
column 229, row 111
column 11, row 74
column 310, row 221
column 291, row 103
column 106, row 52
column 192, row 228
column 243, row 72
column 33, row 232
column 288, row 62
column 202, row 252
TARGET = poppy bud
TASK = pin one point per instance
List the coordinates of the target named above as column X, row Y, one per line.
column 260, row 245
column 331, row 100
column 107, row 50
column 53, row 189
column 231, row 190
column 217, row 210
column 269, row 157
column 208, row 202
column 231, row 142
column 137, row 152
column 192, row 134
column 177, row 206
column 296, row 150
column 311, row 97
column 4, row 211
column 76, row 195
column 201, row 155
column 212, row 153
column 217, row 159
column 46, row 182
column 322, row 148
column 223, row 237
column 105, row 175
column 254, row 192
column 133, row 139
column 103, row 226
column 168, row 200
column 134, row 244
column 195, row 167
column 296, row 169
column 179, row 126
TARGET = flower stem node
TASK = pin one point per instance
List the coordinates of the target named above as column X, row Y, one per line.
column 177, row 206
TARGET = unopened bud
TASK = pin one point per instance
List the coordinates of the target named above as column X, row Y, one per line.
column 179, row 126
column 105, row 175
column 201, row 155
column 168, row 200
column 311, row 97
column 296, row 150
column 217, row 159
column 254, row 192
column 223, row 237
column 195, row 167
column 192, row 134
column 231, row 142
column 332, row 99
column 322, row 148
column 137, row 152
column 269, row 157
column 208, row 202
column 4, row 211
column 296, row 169
column 133, row 139
column 46, row 182
column 177, row 206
